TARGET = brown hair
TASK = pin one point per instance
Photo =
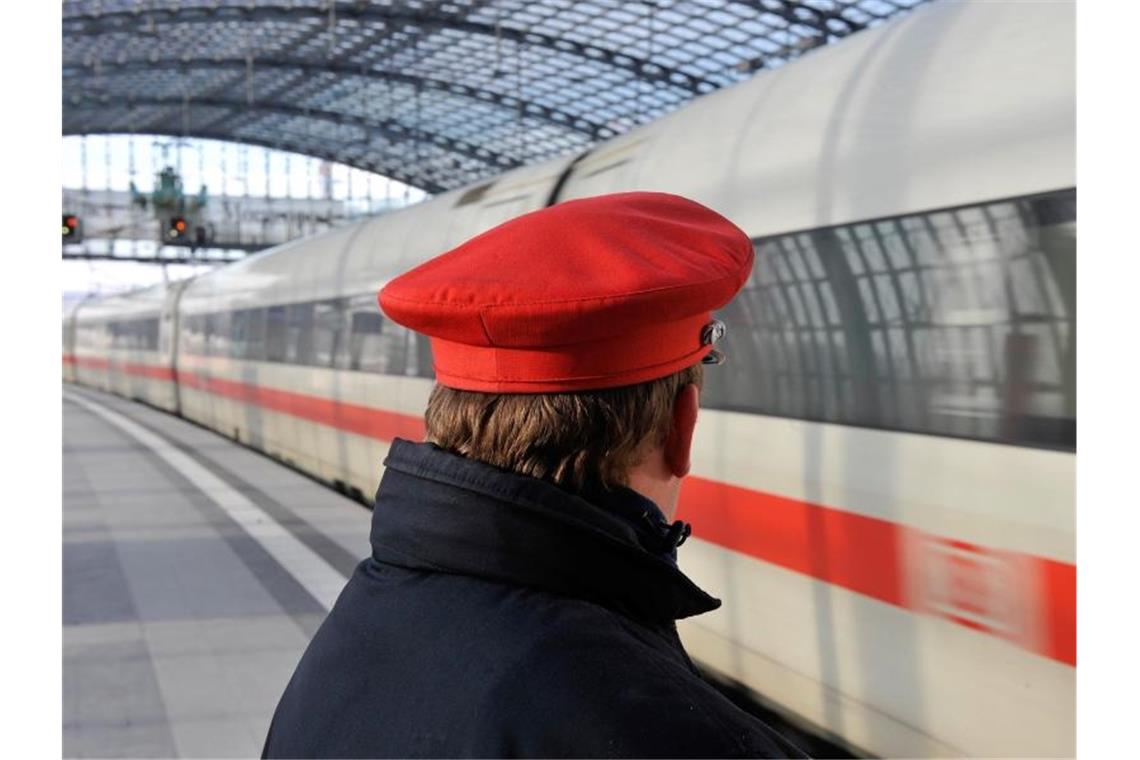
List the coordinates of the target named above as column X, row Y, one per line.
column 580, row 441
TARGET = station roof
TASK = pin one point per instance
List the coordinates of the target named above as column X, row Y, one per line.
column 433, row 93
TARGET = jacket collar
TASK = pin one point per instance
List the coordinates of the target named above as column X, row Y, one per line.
column 438, row 511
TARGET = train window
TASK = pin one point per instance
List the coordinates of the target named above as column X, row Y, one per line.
column 394, row 346
column 208, row 326
column 958, row 322
column 204, row 327
column 202, row 348
column 276, row 334
column 365, row 351
column 91, row 335
column 189, row 335
column 218, row 334
column 205, row 324
column 239, row 334
column 203, row 335
column 328, row 326
column 299, row 329
column 376, row 344
column 427, row 363
column 184, row 335
column 255, row 335
column 409, row 352
column 419, row 356
column 131, row 334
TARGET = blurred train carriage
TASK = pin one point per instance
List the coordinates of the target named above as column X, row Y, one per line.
column 125, row 344
column 883, row 488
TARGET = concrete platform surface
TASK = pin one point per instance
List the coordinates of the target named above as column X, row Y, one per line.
column 194, row 573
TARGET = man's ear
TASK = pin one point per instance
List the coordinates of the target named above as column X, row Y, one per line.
column 679, row 444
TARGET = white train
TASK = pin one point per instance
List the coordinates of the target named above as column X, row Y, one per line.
column 883, row 491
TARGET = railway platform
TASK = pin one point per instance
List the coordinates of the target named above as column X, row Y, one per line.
column 195, row 571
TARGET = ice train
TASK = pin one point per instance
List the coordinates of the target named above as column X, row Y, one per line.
column 883, row 490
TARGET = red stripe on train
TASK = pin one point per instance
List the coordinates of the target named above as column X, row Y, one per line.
column 859, row 553
column 153, row 371
column 1059, row 592
column 975, row 586
column 362, row 420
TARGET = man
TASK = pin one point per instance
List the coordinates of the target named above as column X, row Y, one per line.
column 522, row 590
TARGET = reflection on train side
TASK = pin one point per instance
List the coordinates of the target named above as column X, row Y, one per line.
column 958, row 323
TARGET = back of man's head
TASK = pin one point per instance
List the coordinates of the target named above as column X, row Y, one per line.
column 582, row 441
column 568, row 343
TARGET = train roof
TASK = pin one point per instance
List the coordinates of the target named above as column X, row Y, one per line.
column 134, row 304
column 948, row 105
column 951, row 104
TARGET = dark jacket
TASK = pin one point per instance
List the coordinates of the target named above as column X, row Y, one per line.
column 502, row 616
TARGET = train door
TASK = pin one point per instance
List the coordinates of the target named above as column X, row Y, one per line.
column 168, row 341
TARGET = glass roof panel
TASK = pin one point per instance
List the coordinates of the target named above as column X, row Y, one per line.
column 438, row 94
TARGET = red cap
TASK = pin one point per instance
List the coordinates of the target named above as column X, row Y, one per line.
column 591, row 293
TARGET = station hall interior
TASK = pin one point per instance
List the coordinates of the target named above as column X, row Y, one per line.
column 883, row 486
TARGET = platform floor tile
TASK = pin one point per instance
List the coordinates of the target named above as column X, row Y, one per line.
column 180, row 629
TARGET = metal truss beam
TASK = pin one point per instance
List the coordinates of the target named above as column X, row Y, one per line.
column 145, row 21
column 592, row 129
column 394, row 131
column 787, row 11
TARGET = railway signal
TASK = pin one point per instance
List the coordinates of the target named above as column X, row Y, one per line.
column 176, row 229
column 72, row 229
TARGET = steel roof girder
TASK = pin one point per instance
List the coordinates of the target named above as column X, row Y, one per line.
column 118, row 21
column 394, row 130
column 579, row 123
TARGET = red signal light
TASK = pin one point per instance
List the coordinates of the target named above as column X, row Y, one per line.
column 71, row 227
column 176, row 228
